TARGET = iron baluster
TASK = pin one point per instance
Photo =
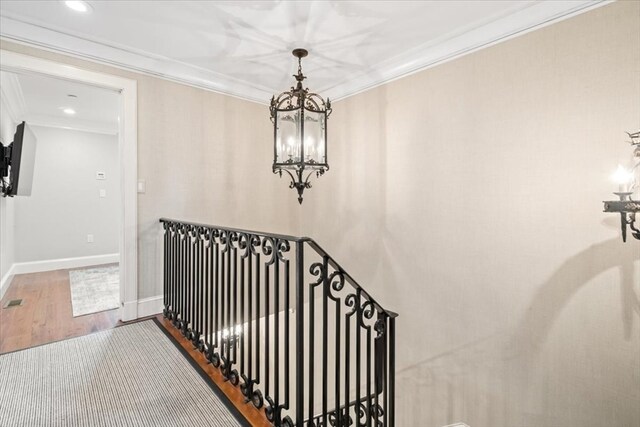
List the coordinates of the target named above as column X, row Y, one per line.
column 212, row 283
column 300, row 335
column 287, row 337
column 392, row 372
column 316, row 269
column 276, row 336
column 358, row 355
column 325, row 300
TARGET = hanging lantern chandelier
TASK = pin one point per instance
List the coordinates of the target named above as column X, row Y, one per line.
column 300, row 132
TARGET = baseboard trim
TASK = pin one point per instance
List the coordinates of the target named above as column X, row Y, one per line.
column 6, row 280
column 150, row 306
column 63, row 263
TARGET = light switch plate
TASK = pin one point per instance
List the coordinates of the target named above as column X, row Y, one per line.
column 101, row 175
column 103, row 192
column 89, row 238
column 142, row 186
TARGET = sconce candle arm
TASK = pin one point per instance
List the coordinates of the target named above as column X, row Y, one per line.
column 627, row 206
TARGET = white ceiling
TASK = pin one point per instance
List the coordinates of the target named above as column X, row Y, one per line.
column 40, row 100
column 243, row 48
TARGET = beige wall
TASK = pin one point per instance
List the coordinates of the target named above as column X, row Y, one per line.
column 205, row 157
column 467, row 198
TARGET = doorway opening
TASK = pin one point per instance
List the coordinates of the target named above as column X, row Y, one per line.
column 68, row 248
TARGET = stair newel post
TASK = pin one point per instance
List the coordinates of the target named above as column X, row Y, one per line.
column 300, row 333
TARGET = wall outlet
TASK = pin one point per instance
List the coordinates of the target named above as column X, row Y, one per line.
column 89, row 238
column 101, row 175
column 103, row 192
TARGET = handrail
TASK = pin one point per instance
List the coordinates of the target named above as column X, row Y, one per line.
column 314, row 245
column 238, row 230
column 232, row 293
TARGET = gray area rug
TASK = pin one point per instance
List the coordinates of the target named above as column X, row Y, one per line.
column 94, row 289
column 133, row 375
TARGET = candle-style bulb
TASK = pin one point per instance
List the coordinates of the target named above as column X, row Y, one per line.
column 622, row 177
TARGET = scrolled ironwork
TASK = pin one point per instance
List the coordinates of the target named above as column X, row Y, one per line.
column 282, row 247
column 351, row 301
column 268, row 250
column 380, row 326
column 368, row 310
column 243, row 245
column 224, row 240
column 318, row 270
column 228, row 291
column 336, row 282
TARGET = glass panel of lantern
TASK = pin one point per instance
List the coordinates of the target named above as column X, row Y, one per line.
column 315, row 137
column 288, row 136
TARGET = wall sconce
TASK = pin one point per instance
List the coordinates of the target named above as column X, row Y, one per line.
column 628, row 184
column 300, row 132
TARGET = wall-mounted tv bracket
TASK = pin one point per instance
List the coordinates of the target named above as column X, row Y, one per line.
column 5, row 161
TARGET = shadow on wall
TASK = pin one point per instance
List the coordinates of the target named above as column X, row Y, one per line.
column 489, row 382
column 556, row 292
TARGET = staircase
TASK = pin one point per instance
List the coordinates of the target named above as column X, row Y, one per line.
column 283, row 321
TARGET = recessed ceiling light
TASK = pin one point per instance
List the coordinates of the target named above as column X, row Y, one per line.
column 69, row 111
column 78, row 5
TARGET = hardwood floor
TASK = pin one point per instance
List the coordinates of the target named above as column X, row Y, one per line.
column 45, row 315
column 256, row 417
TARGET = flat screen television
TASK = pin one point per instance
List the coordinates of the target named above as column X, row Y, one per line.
column 18, row 160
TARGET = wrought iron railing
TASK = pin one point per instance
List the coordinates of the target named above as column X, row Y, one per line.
column 298, row 335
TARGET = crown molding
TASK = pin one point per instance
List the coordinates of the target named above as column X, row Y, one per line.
column 520, row 22
column 510, row 25
column 57, row 40
column 92, row 126
column 13, row 97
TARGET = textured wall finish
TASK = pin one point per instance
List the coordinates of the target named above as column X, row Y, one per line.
column 468, row 199
column 205, row 157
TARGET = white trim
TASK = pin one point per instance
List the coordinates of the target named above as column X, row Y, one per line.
column 534, row 17
column 6, row 281
column 18, row 30
column 128, row 155
column 14, row 98
column 63, row 263
column 81, row 125
column 504, row 27
column 150, row 306
column 129, row 310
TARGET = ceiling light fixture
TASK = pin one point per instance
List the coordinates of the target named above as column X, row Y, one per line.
column 300, row 132
column 628, row 185
column 78, row 6
column 69, row 111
